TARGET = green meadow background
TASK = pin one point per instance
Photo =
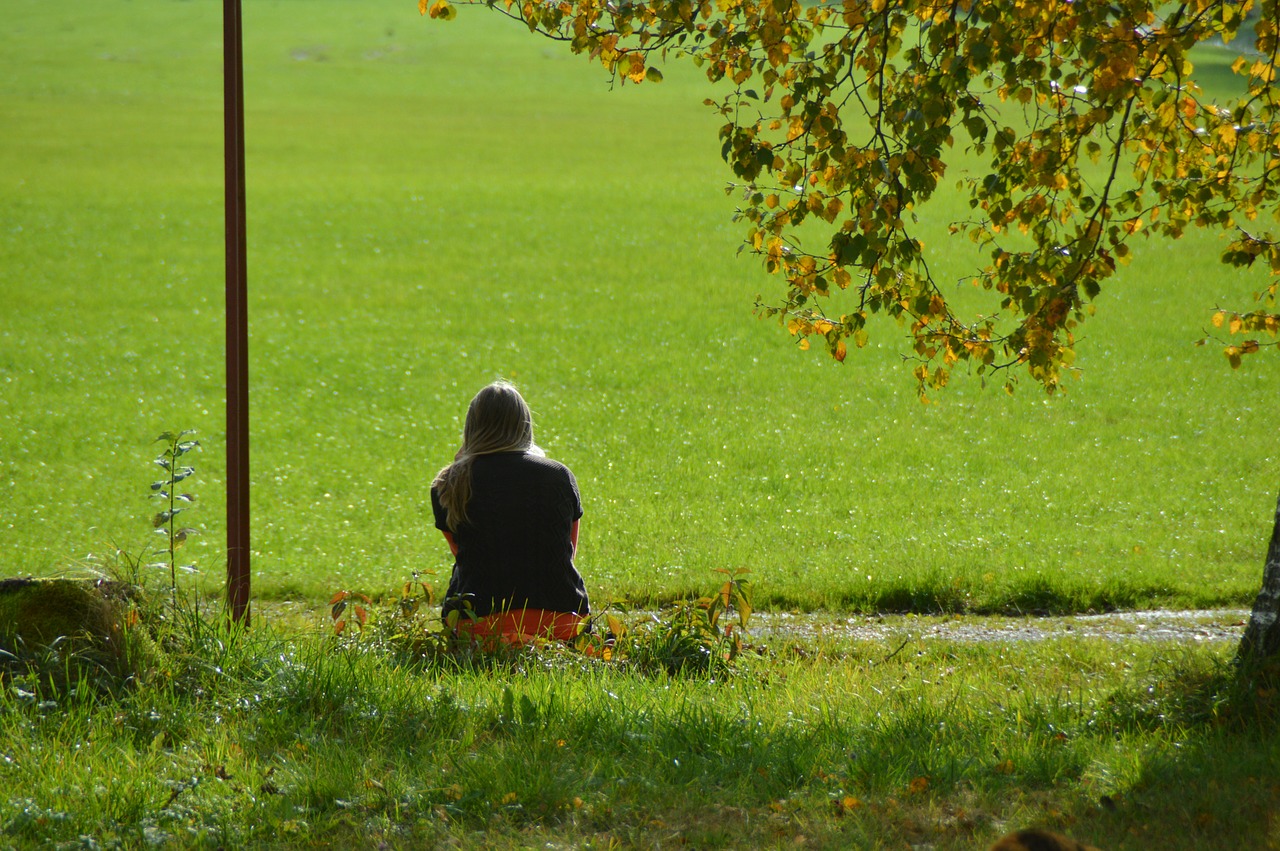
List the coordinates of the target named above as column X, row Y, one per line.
column 432, row 206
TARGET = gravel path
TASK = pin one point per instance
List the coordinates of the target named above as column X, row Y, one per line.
column 1218, row 625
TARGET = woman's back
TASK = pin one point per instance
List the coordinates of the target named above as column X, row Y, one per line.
column 515, row 549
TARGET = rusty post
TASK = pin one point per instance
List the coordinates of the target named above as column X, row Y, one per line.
column 237, row 319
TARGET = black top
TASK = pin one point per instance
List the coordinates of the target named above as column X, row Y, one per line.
column 514, row 550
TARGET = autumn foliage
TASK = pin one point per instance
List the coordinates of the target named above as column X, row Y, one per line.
column 1080, row 124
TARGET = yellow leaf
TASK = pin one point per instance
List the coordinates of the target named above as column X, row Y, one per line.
column 804, row 344
column 637, row 71
column 1218, row 319
column 442, row 10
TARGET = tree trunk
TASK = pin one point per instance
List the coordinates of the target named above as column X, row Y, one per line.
column 1262, row 635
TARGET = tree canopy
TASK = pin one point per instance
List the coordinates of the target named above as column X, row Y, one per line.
column 1079, row 121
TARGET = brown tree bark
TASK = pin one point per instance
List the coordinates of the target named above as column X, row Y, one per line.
column 1262, row 635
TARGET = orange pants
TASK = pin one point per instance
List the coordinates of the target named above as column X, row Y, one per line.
column 520, row 626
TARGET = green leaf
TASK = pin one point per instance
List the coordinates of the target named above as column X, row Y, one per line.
column 653, row 75
column 528, row 711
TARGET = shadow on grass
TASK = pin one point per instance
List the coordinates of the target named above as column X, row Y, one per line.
column 938, row 594
column 1217, row 789
column 1214, row 785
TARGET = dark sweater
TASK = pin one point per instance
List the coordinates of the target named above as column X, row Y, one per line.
column 514, row 550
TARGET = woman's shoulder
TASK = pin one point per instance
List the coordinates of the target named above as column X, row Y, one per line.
column 520, row 459
column 540, row 466
column 540, row 460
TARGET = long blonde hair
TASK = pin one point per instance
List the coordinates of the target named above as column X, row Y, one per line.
column 498, row 420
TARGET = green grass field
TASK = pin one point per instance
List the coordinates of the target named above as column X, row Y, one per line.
column 435, row 205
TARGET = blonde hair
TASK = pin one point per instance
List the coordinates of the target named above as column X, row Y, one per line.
column 498, row 420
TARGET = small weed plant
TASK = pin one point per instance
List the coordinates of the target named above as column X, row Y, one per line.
column 177, row 445
column 702, row 636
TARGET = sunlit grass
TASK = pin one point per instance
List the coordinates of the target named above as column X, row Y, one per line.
column 432, row 206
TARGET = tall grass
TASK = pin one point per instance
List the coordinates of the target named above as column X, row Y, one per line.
column 431, row 206
column 271, row 740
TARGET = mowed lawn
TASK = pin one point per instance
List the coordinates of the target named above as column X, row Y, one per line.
column 432, row 206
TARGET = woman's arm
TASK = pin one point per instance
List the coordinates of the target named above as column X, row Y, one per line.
column 573, row 536
column 453, row 545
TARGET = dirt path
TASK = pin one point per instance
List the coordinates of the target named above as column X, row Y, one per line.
column 1218, row 625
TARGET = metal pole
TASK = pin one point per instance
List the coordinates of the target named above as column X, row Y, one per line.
column 237, row 320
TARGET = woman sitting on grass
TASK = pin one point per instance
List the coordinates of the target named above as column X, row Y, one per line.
column 510, row 515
